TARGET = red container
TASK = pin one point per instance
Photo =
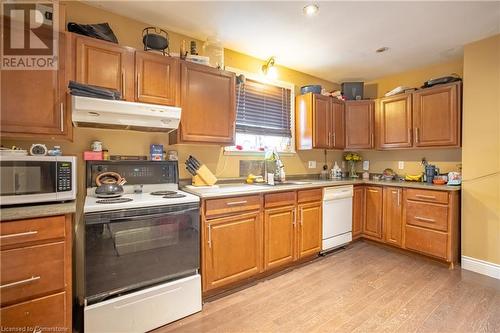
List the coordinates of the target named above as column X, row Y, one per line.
column 92, row 155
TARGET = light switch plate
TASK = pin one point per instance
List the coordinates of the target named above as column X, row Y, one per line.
column 401, row 165
column 366, row 165
column 312, row 165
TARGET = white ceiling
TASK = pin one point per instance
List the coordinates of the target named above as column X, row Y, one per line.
column 339, row 43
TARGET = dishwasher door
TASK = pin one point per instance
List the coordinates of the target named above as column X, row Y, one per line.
column 337, row 217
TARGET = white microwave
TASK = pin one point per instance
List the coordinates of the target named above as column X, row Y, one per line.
column 35, row 179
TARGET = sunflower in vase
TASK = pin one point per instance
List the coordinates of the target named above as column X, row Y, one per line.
column 351, row 159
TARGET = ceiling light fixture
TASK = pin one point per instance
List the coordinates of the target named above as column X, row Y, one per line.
column 269, row 70
column 382, row 49
column 311, row 9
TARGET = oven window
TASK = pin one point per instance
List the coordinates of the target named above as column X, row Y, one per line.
column 27, row 177
column 127, row 253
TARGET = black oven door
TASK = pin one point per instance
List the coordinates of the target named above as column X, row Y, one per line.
column 126, row 250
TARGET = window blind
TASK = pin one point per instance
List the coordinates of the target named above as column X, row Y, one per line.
column 263, row 109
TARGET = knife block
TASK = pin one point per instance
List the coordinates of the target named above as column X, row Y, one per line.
column 204, row 177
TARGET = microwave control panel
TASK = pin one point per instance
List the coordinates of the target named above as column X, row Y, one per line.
column 64, row 176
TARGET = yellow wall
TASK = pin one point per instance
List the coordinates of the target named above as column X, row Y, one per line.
column 481, row 151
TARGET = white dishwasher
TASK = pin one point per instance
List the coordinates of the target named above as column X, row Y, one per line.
column 337, row 216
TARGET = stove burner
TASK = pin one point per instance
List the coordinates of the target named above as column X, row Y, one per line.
column 174, row 196
column 113, row 200
column 163, row 193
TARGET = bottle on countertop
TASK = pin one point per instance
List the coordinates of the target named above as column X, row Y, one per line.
column 336, row 171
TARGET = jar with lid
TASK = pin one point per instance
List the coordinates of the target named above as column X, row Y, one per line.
column 213, row 49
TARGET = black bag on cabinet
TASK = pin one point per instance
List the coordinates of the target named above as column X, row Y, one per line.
column 100, row 31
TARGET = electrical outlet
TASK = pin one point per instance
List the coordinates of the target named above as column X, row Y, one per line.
column 401, row 165
column 366, row 165
column 312, row 164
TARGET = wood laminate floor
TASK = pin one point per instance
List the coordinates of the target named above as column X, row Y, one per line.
column 365, row 288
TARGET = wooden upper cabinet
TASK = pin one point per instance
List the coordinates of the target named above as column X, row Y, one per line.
column 436, row 116
column 310, row 228
column 373, row 212
column 34, row 103
column 156, row 78
column 358, row 211
column 359, row 124
column 394, row 122
column 105, row 64
column 208, row 105
column 393, row 215
column 279, row 236
column 321, row 121
column 233, row 247
column 337, row 124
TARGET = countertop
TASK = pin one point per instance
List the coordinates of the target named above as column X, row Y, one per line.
column 227, row 190
column 26, row 212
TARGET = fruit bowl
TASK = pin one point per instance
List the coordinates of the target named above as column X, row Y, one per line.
column 439, row 181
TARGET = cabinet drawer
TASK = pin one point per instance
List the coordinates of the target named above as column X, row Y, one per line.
column 24, row 231
column 31, row 271
column 47, row 312
column 280, row 199
column 310, row 195
column 224, row 206
column 427, row 195
column 428, row 215
column 426, row 241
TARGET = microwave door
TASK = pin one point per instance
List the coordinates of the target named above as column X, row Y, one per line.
column 28, row 180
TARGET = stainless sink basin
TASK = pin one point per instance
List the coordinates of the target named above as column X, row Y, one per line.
column 287, row 183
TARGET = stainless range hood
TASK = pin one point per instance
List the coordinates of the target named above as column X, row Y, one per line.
column 103, row 113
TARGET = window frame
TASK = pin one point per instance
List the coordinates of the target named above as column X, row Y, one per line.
column 261, row 78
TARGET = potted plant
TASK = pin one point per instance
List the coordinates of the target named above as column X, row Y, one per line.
column 351, row 159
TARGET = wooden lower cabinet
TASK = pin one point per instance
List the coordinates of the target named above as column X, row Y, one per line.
column 358, row 211
column 310, row 228
column 233, row 249
column 279, row 236
column 266, row 233
column 393, row 216
column 36, row 273
column 372, row 225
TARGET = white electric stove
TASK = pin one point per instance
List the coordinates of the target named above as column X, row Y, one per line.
column 142, row 249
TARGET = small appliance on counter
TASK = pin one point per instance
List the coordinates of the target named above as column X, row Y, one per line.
column 431, row 171
column 141, row 250
column 35, row 179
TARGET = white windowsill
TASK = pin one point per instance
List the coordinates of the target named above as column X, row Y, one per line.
column 255, row 153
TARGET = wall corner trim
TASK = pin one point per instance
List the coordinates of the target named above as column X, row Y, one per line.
column 481, row 267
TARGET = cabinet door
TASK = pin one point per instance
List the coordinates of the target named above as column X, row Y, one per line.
column 208, row 104
column 338, row 124
column 373, row 213
column 394, row 122
column 233, row 247
column 436, row 116
column 105, row 64
column 279, row 236
column 359, row 124
column 393, row 216
column 358, row 211
column 33, row 102
column 321, row 121
column 309, row 231
column 157, row 78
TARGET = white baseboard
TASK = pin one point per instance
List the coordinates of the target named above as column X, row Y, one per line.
column 481, row 267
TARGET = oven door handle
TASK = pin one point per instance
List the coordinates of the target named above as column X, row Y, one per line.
column 142, row 217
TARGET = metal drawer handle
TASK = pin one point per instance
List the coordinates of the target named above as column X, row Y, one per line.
column 13, row 284
column 27, row 233
column 374, row 191
column 424, row 219
column 425, row 196
column 209, row 236
column 236, row 203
